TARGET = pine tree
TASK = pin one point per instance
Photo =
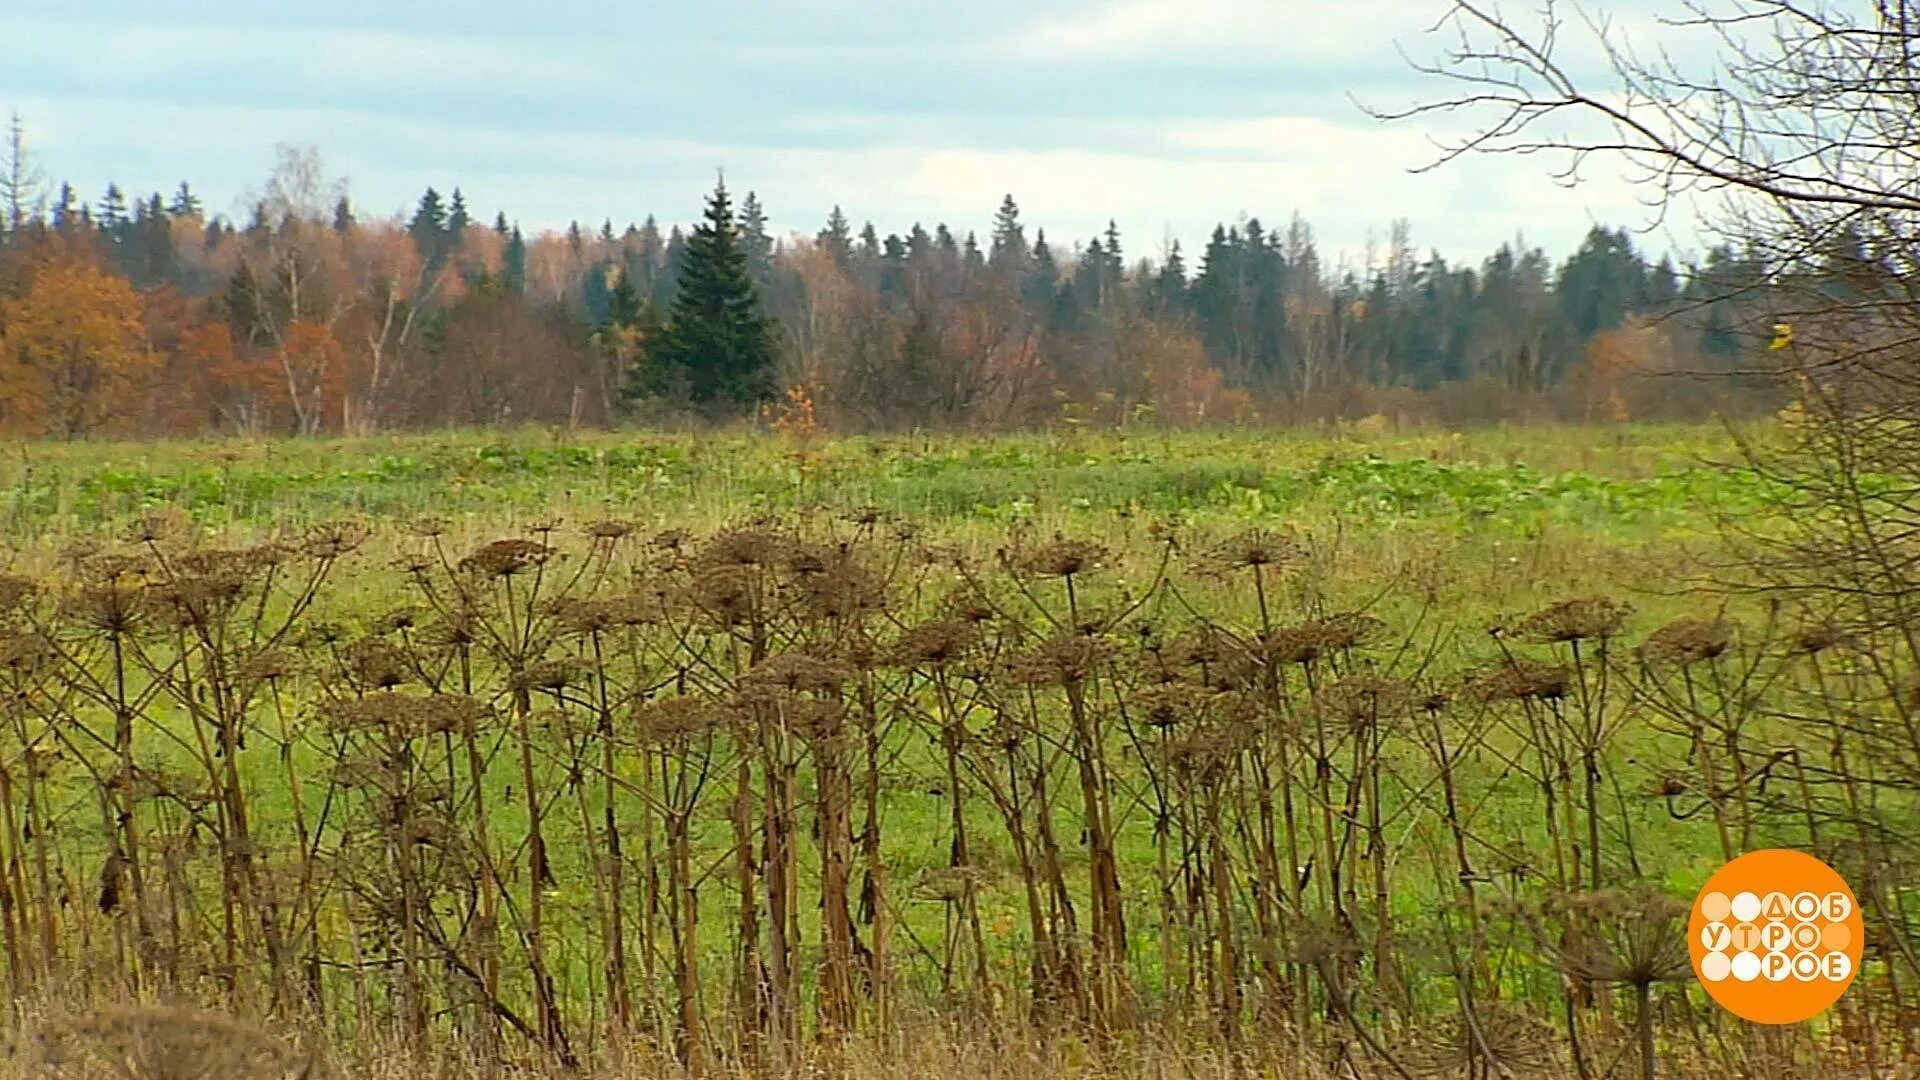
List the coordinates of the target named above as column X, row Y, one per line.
column 343, row 216
column 719, row 344
column 500, row 226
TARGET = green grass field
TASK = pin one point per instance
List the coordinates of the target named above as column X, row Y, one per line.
column 1440, row 536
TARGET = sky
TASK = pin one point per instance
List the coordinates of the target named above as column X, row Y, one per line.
column 1166, row 116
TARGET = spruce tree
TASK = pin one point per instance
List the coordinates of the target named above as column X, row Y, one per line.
column 457, row 216
column 185, row 202
column 429, row 227
column 1008, row 251
column 513, row 262
column 719, row 344
column 343, row 216
column 66, row 210
column 837, row 237
column 754, row 238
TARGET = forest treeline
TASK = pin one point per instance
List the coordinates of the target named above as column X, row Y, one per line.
column 146, row 315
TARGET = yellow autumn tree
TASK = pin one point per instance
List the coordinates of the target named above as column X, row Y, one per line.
column 73, row 352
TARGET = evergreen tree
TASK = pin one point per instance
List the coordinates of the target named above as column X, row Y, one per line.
column 500, row 226
column 754, row 238
column 1170, row 284
column 343, row 216
column 893, row 269
column 1008, row 252
column 429, row 227
column 649, row 259
column 185, row 202
column 673, row 260
column 1116, row 263
column 837, row 238
column 718, row 344
column 1042, row 281
column 457, row 217
column 66, row 210
column 112, row 214
column 625, row 308
column 513, row 263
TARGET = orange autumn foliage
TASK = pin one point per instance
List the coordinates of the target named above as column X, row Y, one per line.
column 74, row 355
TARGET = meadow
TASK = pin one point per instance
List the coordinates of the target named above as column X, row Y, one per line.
column 1358, row 753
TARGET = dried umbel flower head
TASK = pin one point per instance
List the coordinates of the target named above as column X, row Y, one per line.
column 1814, row 638
column 404, row 717
column 969, row 606
column 847, row 589
column 1256, row 548
column 1205, row 752
column 745, row 546
column 144, row 1042
column 610, row 530
column 333, row 539
column 159, row 525
column 115, row 607
column 551, row 676
column 501, row 559
column 1310, row 641
column 457, row 630
column 724, row 595
column 268, row 665
column 1516, row 1042
column 1361, row 701
column 587, row 616
column 24, row 651
column 1687, row 641
column 794, row 672
column 1061, row 660
column 814, row 719
column 1171, row 704
column 375, row 664
column 1061, row 558
column 1521, row 679
column 935, row 643
column 1583, row 619
column 16, row 593
column 676, row 719
column 1631, row 937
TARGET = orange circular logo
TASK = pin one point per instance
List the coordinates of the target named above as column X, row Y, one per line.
column 1775, row 936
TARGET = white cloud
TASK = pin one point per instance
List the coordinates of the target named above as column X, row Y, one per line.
column 1129, row 29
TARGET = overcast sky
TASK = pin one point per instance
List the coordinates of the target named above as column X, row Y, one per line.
column 1167, row 115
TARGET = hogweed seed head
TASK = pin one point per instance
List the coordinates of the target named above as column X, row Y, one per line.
column 1592, row 617
column 1687, row 641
